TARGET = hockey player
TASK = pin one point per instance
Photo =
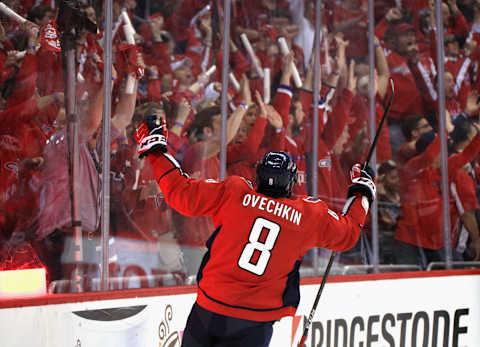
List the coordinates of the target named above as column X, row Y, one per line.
column 249, row 277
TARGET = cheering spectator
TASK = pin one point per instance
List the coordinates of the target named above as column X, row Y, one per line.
column 419, row 230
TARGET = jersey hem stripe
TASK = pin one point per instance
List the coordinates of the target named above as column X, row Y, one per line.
column 240, row 307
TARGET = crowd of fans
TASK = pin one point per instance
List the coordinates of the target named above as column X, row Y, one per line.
column 171, row 63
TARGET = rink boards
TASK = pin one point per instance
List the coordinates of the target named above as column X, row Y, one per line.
column 435, row 308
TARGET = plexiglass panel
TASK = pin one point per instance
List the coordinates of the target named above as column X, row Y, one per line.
column 61, row 211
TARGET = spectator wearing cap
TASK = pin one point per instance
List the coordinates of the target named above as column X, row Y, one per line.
column 404, row 48
column 408, row 98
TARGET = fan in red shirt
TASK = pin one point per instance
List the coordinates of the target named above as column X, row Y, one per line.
column 381, row 82
column 244, row 153
column 419, row 229
column 463, row 191
column 456, row 78
column 25, row 79
column 249, row 277
column 201, row 160
column 350, row 17
column 294, row 145
column 404, row 49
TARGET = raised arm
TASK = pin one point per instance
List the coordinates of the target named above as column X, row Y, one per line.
column 212, row 144
column 91, row 117
column 124, row 110
column 383, row 72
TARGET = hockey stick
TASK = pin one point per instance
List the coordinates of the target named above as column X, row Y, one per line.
column 332, row 257
column 380, row 126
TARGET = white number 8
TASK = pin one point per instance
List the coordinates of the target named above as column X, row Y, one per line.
column 254, row 244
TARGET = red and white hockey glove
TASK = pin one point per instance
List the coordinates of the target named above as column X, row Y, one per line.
column 362, row 181
column 151, row 136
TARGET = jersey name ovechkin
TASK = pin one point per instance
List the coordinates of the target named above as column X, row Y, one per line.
column 272, row 206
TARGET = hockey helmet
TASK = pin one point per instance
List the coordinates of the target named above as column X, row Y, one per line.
column 276, row 174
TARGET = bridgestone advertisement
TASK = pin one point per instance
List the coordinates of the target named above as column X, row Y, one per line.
column 354, row 311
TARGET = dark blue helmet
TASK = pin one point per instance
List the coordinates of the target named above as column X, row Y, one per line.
column 276, row 174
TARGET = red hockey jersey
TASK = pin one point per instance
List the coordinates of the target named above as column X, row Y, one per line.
column 251, row 268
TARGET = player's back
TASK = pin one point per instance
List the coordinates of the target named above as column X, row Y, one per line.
column 255, row 253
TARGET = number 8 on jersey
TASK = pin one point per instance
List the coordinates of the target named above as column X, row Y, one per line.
column 254, row 243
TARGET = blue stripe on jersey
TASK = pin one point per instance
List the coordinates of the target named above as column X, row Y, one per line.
column 240, row 307
column 291, row 294
column 206, row 257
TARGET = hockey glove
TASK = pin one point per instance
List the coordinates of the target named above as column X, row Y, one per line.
column 151, row 136
column 362, row 181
